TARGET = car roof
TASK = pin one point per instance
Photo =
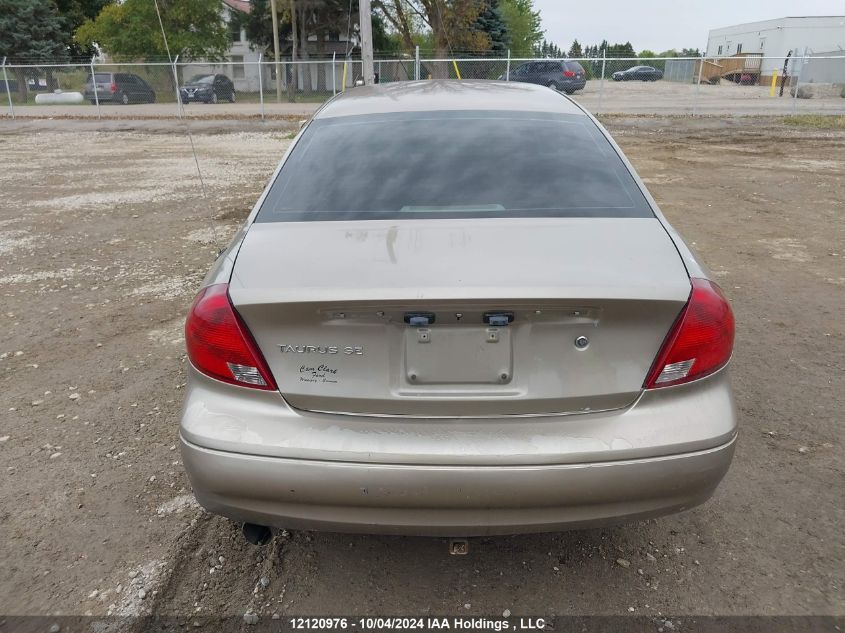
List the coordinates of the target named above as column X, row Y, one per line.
column 447, row 94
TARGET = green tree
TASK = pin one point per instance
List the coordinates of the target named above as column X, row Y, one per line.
column 621, row 50
column 575, row 49
column 195, row 29
column 74, row 14
column 660, row 64
column 524, row 26
column 329, row 18
column 30, row 31
column 449, row 22
column 490, row 21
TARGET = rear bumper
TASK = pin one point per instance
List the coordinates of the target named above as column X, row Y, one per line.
column 574, row 84
column 186, row 98
column 102, row 96
column 449, row 500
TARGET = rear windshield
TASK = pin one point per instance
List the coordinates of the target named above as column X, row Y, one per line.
column 574, row 67
column 451, row 165
column 101, row 77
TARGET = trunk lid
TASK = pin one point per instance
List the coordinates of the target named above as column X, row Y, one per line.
column 441, row 318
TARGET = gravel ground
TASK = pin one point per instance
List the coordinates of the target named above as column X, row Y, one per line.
column 104, row 236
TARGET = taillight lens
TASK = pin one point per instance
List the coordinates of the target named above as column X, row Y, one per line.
column 568, row 73
column 219, row 343
column 114, row 87
column 699, row 343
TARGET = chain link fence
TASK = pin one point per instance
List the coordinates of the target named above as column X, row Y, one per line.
column 802, row 82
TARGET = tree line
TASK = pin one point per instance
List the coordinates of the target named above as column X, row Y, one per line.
column 625, row 54
column 56, row 31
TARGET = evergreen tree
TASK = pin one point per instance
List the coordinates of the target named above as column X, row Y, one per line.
column 31, row 31
column 575, row 49
column 490, row 22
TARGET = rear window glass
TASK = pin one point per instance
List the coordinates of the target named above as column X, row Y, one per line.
column 451, row 165
column 102, row 77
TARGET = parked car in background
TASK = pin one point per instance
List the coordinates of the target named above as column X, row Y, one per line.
column 639, row 73
column 487, row 350
column 566, row 76
column 208, row 89
column 122, row 88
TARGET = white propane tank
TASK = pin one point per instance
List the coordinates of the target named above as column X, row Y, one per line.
column 58, row 97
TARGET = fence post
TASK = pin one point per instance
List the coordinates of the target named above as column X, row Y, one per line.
column 508, row 69
column 8, row 91
column 94, row 85
column 179, row 110
column 601, row 83
column 697, row 87
column 417, row 63
column 796, row 72
column 261, row 85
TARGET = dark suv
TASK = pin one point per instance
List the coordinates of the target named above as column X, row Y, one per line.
column 208, row 88
column 122, row 88
column 567, row 76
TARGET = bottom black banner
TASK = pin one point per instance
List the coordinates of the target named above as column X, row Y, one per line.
column 428, row 623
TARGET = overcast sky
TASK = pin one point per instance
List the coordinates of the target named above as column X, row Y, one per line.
column 659, row 25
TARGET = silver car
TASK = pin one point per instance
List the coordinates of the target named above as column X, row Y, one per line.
column 456, row 310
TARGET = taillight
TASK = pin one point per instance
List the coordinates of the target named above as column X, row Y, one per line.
column 699, row 343
column 568, row 73
column 114, row 87
column 219, row 343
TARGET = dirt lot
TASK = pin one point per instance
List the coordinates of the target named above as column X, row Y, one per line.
column 104, row 236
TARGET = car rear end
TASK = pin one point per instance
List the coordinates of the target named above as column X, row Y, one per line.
column 105, row 86
column 497, row 353
column 574, row 76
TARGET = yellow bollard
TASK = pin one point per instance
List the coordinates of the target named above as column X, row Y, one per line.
column 774, row 82
column 343, row 85
column 457, row 72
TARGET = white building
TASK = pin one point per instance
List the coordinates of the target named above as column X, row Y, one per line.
column 242, row 67
column 775, row 38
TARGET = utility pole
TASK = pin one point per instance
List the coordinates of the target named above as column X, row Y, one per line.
column 293, row 85
column 366, row 22
column 276, row 50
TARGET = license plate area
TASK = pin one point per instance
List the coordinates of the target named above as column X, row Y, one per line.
column 447, row 355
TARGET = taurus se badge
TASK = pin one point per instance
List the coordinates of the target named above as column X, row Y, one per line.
column 349, row 350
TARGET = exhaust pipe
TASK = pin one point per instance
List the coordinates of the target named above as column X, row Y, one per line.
column 257, row 534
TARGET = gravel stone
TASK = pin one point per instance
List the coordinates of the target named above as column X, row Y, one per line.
column 622, row 562
column 250, row 618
